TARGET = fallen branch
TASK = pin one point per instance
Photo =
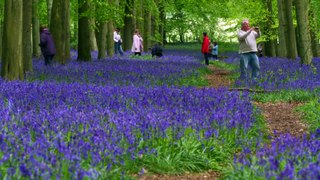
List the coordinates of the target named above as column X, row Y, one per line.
column 253, row 90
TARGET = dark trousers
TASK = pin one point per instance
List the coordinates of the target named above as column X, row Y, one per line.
column 48, row 59
column 117, row 48
column 206, row 58
column 137, row 53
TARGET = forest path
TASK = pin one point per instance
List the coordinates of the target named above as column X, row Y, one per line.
column 280, row 117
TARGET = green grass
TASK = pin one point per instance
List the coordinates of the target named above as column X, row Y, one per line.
column 311, row 113
column 286, row 96
column 197, row 79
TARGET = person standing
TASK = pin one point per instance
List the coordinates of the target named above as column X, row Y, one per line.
column 248, row 49
column 48, row 48
column 137, row 46
column 117, row 42
column 120, row 44
column 215, row 51
column 205, row 47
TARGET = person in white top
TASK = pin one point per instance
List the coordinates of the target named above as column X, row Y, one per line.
column 248, row 49
column 137, row 46
column 117, row 42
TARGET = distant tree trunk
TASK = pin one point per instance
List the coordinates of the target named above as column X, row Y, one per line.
column 49, row 9
column 162, row 21
column 128, row 25
column 12, row 62
column 313, row 32
column 35, row 30
column 101, row 34
column 26, row 36
column 291, row 35
column 110, row 41
column 84, row 53
column 93, row 39
column 1, row 28
column 270, row 44
column 302, row 11
column 282, row 29
column 147, row 29
column 139, row 14
column 60, row 29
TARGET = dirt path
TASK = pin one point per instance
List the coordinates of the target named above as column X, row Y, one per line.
column 280, row 117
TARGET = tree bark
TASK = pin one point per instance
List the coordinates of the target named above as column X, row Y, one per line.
column 147, row 29
column 128, row 25
column 35, row 30
column 1, row 29
column 60, row 18
column 313, row 33
column 291, row 35
column 84, row 53
column 12, row 62
column 93, row 39
column 110, row 41
column 27, row 34
column 49, row 9
column 162, row 21
column 270, row 44
column 101, row 35
column 302, row 10
column 282, row 30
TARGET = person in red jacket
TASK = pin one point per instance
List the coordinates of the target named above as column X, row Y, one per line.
column 205, row 47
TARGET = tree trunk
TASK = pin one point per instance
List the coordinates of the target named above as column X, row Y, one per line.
column 1, row 28
column 27, row 34
column 12, row 63
column 101, row 35
column 49, row 9
column 110, row 41
column 282, row 29
column 93, row 39
column 270, row 45
column 84, row 53
column 291, row 35
column 313, row 32
column 35, row 30
column 302, row 10
column 60, row 16
column 128, row 25
column 162, row 21
column 147, row 29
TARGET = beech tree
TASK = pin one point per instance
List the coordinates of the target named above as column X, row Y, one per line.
column 12, row 56
column 59, row 27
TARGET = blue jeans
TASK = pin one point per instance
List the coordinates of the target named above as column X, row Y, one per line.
column 250, row 58
column 118, row 48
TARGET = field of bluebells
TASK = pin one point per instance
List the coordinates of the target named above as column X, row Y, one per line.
column 124, row 117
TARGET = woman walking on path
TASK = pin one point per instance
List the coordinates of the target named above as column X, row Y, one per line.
column 137, row 46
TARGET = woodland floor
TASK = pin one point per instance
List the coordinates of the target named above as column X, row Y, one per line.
column 281, row 118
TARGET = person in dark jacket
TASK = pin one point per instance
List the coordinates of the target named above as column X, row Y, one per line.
column 156, row 50
column 48, row 48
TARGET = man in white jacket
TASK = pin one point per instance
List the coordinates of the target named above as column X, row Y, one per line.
column 117, row 41
column 248, row 49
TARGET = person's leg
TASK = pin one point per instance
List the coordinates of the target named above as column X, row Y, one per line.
column 120, row 49
column 115, row 48
column 206, row 58
column 46, row 60
column 243, row 65
column 50, row 57
column 255, row 65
